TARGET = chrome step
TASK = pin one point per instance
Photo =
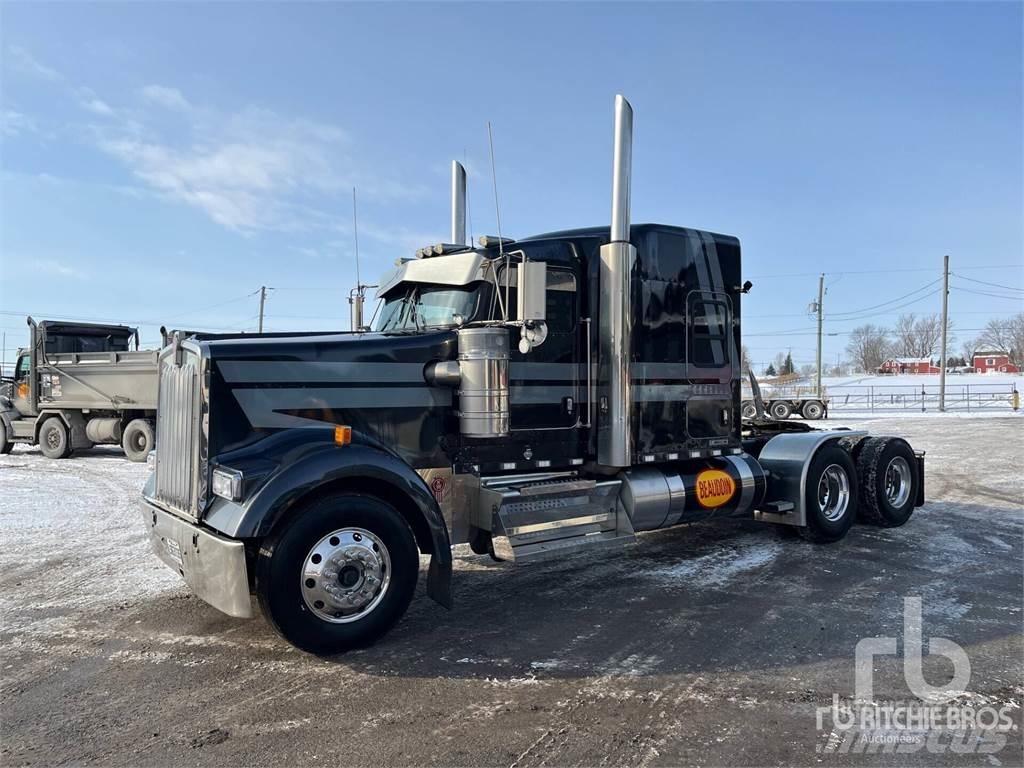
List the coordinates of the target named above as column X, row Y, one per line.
column 533, row 520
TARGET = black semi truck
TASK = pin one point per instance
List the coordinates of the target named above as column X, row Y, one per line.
column 532, row 398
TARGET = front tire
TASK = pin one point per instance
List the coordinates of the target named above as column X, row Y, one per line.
column 339, row 574
column 138, row 440
column 54, row 439
column 831, row 495
column 887, row 472
column 5, row 444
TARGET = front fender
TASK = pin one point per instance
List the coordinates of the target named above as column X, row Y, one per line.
column 285, row 468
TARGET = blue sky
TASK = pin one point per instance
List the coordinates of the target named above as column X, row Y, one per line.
column 162, row 161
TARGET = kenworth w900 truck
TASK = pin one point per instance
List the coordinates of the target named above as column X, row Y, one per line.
column 532, row 398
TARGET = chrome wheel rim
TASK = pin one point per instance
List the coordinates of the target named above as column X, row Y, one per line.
column 897, row 482
column 345, row 575
column 833, row 492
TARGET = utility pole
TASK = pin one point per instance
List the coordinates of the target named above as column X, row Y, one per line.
column 945, row 327
column 263, row 300
column 821, row 299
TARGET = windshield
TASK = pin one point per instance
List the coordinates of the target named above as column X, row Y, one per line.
column 415, row 307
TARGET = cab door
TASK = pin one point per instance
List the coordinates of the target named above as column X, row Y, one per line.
column 544, row 383
column 22, row 395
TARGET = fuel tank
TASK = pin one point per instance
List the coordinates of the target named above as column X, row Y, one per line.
column 686, row 492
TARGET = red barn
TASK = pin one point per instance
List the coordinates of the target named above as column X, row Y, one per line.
column 908, row 365
column 994, row 362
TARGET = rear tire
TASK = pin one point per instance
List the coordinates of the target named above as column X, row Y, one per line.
column 54, row 439
column 5, row 444
column 138, row 439
column 748, row 410
column 339, row 574
column 813, row 410
column 831, row 495
column 781, row 410
column 888, row 479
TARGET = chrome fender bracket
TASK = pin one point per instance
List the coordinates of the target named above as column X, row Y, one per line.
column 787, row 458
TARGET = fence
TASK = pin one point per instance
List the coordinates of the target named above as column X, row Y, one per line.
column 920, row 398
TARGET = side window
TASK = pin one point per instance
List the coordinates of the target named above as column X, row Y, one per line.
column 709, row 332
column 22, row 370
column 560, row 299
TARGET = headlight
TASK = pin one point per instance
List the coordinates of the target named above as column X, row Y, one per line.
column 227, row 483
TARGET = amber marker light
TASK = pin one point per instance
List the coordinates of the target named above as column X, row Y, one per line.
column 342, row 435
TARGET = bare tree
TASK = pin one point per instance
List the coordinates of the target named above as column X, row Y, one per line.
column 904, row 342
column 998, row 336
column 1016, row 334
column 928, row 336
column 968, row 349
column 868, row 347
column 744, row 359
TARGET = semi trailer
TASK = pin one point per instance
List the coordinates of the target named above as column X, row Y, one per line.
column 77, row 385
column 532, row 398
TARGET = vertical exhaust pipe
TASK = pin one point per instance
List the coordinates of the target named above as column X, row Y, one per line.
column 614, row 426
column 458, row 204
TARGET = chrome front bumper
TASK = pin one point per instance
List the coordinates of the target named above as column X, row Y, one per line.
column 213, row 566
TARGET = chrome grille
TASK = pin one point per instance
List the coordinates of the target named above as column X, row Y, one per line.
column 178, row 432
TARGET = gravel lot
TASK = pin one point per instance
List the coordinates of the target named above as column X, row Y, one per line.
column 708, row 644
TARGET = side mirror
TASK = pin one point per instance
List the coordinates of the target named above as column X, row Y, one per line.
column 531, row 292
column 532, row 289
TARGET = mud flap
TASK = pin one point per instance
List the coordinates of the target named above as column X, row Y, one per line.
column 919, row 501
column 439, row 582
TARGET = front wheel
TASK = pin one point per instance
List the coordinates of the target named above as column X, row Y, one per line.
column 54, row 439
column 830, row 495
column 5, row 444
column 339, row 575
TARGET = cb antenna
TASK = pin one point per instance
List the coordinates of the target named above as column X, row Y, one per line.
column 497, row 215
column 355, row 234
column 357, row 296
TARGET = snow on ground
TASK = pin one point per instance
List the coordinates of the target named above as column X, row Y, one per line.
column 91, row 498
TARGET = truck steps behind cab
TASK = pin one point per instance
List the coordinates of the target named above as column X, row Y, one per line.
column 536, row 519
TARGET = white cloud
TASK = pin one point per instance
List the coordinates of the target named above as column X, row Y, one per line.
column 23, row 61
column 248, row 170
column 13, row 123
column 58, row 269
column 168, row 98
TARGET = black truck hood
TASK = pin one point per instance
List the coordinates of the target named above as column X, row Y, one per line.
column 371, row 382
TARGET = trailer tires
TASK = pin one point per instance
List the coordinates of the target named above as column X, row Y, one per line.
column 748, row 410
column 54, row 439
column 339, row 575
column 137, row 440
column 831, row 495
column 888, row 477
column 813, row 410
column 781, row 410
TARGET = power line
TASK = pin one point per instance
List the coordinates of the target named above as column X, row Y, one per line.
column 886, row 303
column 986, row 293
column 983, row 282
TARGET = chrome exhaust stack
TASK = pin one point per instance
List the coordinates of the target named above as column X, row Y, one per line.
column 614, row 429
column 458, row 204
